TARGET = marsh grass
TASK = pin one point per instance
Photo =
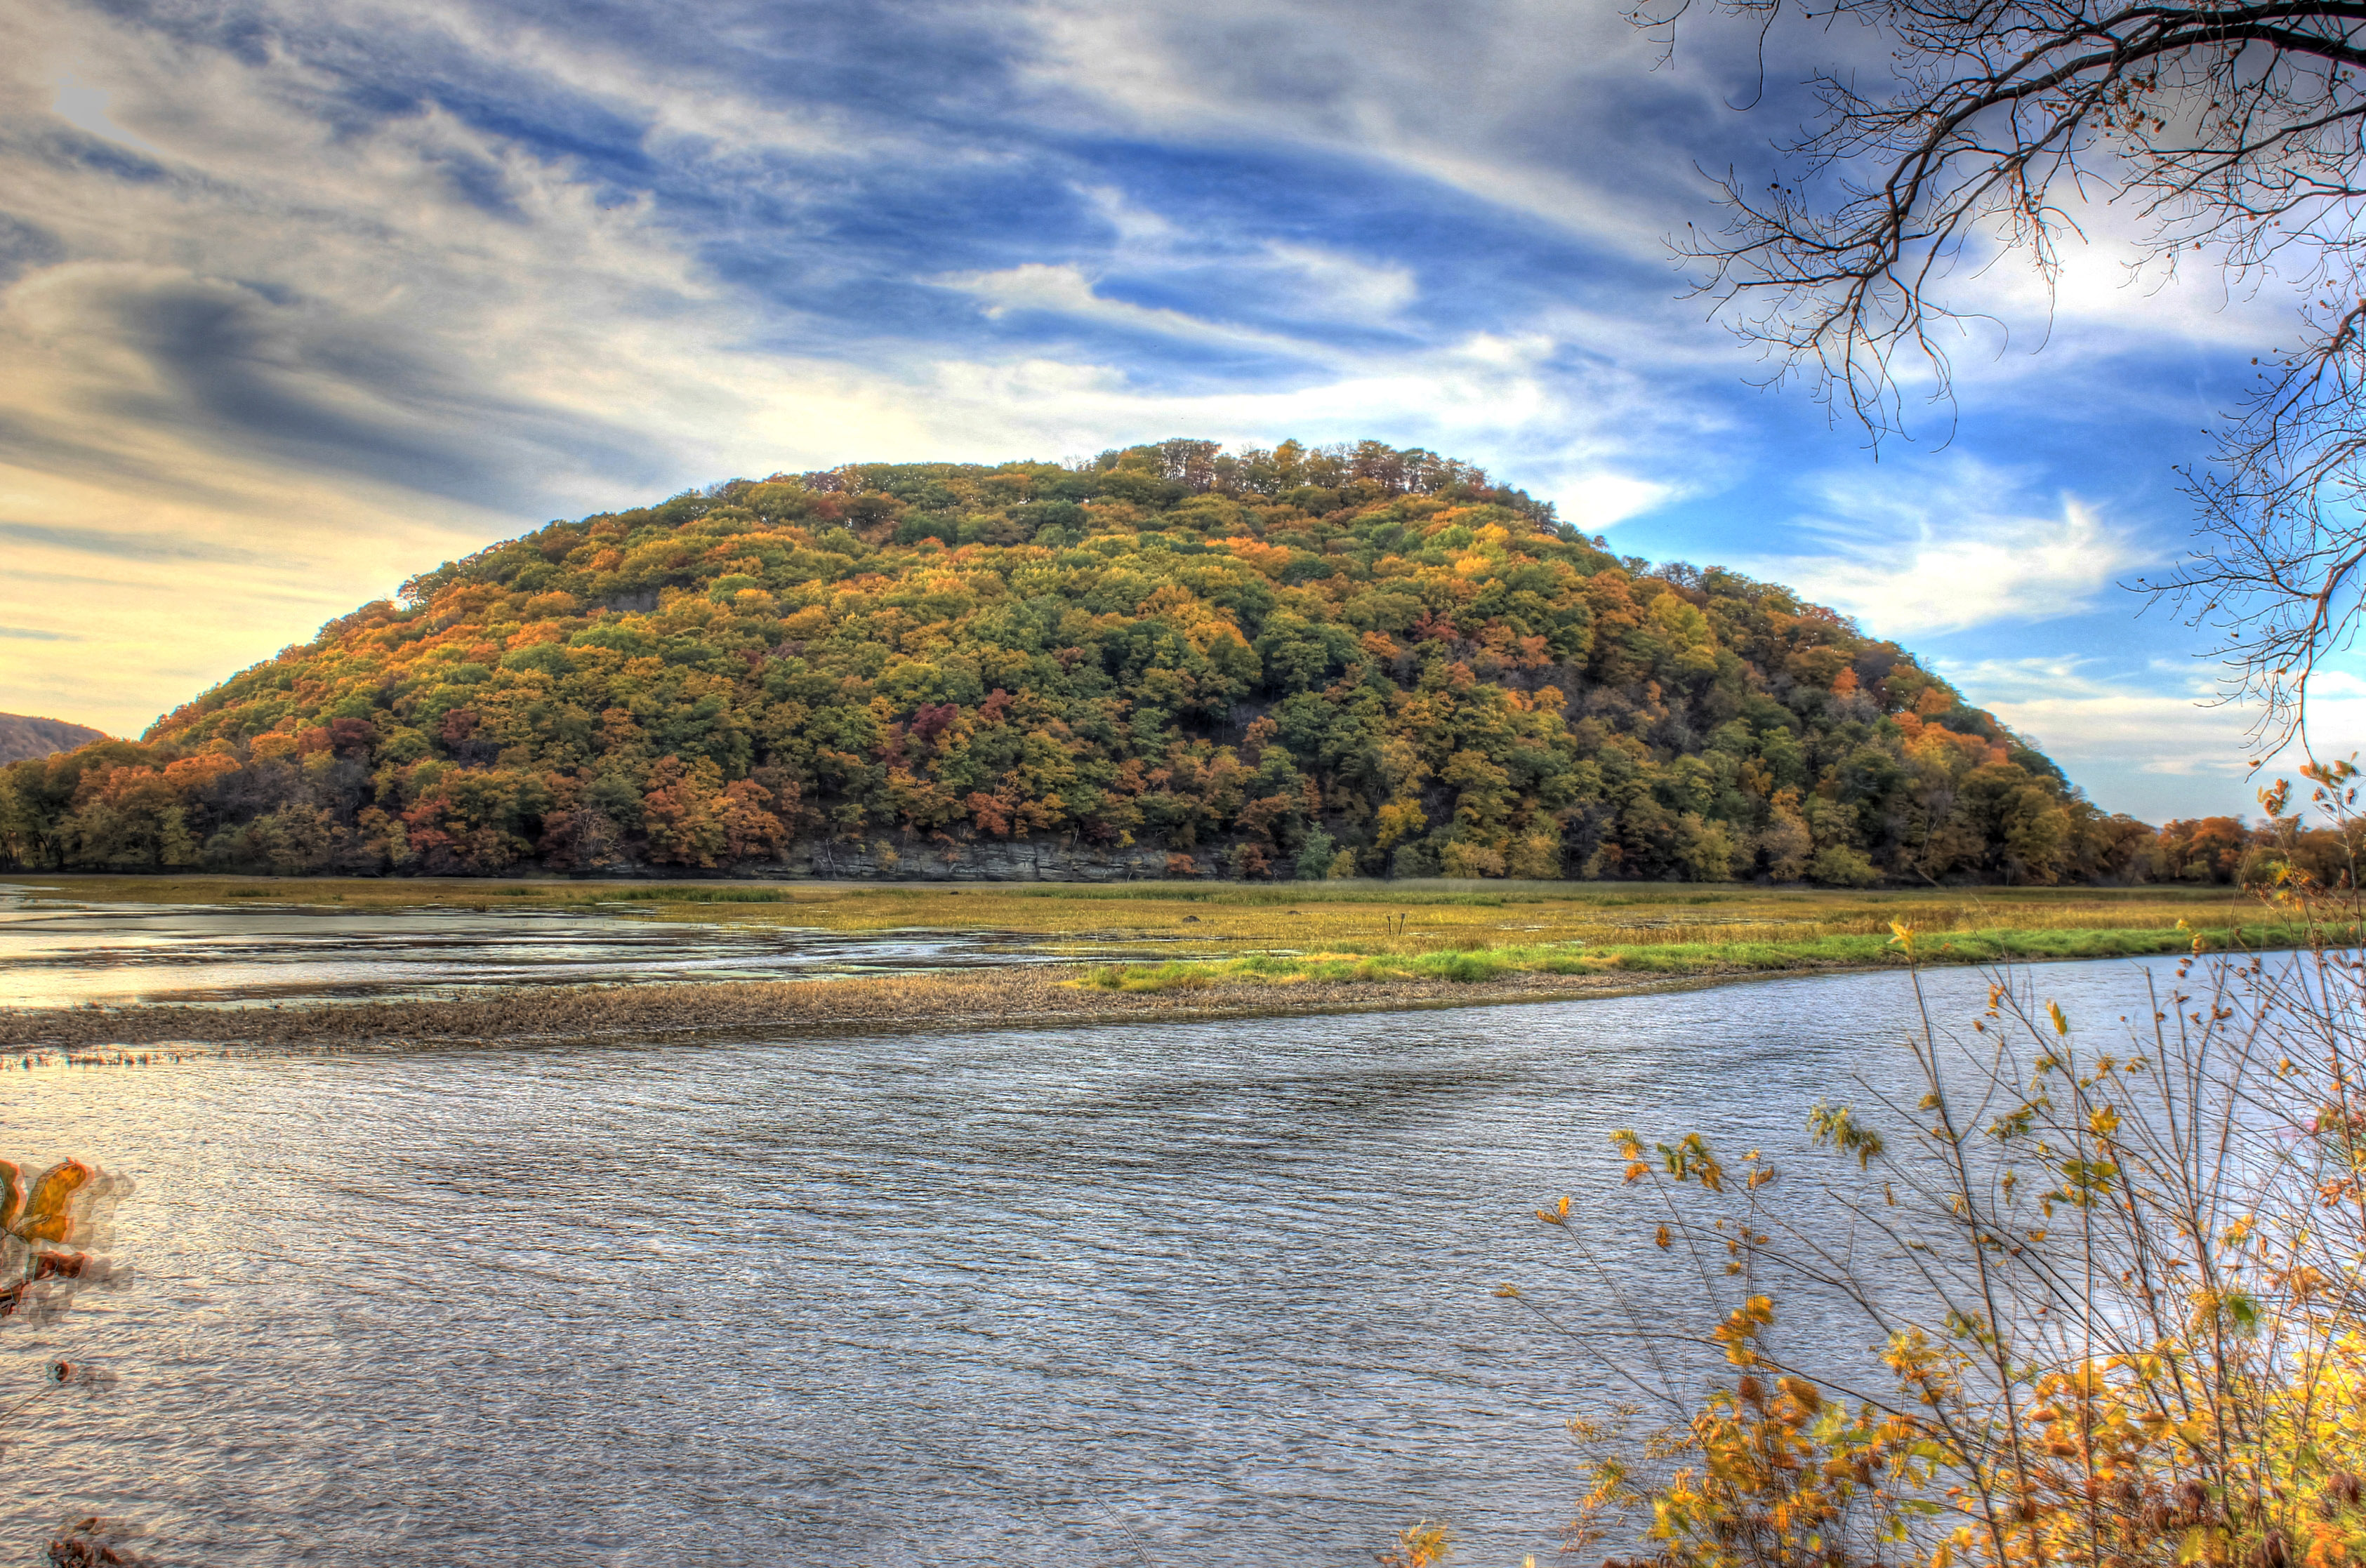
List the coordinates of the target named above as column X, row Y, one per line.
column 1356, row 933
column 1470, row 964
column 1366, row 930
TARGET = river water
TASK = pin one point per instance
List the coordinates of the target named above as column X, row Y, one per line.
column 56, row 953
column 1203, row 1294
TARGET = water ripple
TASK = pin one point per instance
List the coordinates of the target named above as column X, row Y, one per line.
column 1209, row 1293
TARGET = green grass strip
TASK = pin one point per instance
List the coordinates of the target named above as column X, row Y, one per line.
column 1482, row 965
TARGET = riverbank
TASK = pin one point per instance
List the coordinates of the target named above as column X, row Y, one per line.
column 969, row 999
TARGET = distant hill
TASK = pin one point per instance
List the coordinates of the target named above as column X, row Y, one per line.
column 1169, row 660
column 22, row 738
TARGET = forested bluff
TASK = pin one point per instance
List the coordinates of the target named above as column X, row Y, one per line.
column 1171, row 660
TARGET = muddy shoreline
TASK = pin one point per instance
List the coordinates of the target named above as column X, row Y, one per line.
column 975, row 999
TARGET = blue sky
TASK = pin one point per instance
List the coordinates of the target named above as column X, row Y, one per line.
column 298, row 301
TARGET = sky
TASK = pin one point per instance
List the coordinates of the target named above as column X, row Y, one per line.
column 297, row 301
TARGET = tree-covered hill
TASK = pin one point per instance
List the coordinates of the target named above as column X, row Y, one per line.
column 1281, row 663
column 23, row 738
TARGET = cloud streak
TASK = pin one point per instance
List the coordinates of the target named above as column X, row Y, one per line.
column 2172, row 748
column 1921, row 555
column 122, row 546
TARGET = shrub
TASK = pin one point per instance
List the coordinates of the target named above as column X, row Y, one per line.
column 2117, row 1294
column 1412, row 860
column 1462, row 859
column 1314, row 857
column 1837, row 866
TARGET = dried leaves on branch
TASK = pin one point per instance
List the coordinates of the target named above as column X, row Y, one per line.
column 2067, row 1299
column 2224, row 135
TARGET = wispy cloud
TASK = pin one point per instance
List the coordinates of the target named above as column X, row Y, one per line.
column 1929, row 546
column 116, row 545
column 1063, row 290
column 2081, row 714
column 1328, row 282
column 84, row 107
column 1604, row 498
column 1502, row 101
column 2152, row 740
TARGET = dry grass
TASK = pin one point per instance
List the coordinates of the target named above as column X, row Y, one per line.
column 1207, row 919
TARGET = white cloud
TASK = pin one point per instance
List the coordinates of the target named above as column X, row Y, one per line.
column 1495, row 397
column 1341, row 285
column 2026, row 339
column 1915, row 553
column 705, row 108
column 1487, row 99
column 1475, row 397
column 2156, row 741
column 1602, row 498
column 1062, row 289
column 84, row 107
column 1305, row 282
column 2081, row 718
column 1139, row 229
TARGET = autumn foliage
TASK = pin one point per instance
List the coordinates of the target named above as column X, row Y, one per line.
column 1285, row 662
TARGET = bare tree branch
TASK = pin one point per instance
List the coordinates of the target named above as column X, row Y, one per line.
column 2235, row 131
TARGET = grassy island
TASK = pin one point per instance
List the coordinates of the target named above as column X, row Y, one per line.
column 1195, row 949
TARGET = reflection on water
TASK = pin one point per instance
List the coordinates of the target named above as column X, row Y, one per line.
column 1207, row 1294
column 56, row 953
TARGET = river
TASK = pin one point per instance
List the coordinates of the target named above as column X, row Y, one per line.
column 1204, row 1294
column 59, row 953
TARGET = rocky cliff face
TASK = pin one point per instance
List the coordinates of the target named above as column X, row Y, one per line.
column 22, row 739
